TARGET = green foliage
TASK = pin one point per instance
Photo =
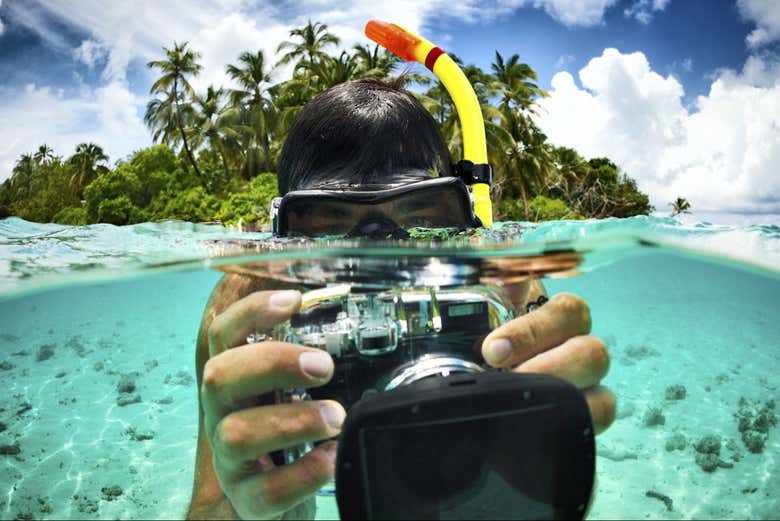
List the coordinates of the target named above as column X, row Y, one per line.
column 119, row 210
column 193, row 205
column 115, row 196
column 252, row 204
column 72, row 216
column 545, row 209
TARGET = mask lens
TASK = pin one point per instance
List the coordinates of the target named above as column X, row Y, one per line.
column 317, row 216
column 437, row 205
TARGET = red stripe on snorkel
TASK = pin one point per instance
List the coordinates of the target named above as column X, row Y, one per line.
column 433, row 55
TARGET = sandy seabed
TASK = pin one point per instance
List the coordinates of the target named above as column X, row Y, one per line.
column 99, row 416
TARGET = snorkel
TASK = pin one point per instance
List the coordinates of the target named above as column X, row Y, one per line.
column 474, row 169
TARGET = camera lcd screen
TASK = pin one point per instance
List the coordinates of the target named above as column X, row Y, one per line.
column 480, row 467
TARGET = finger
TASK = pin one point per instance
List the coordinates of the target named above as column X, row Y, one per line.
column 281, row 488
column 238, row 374
column 257, row 312
column 602, row 405
column 244, row 436
column 563, row 317
column 582, row 361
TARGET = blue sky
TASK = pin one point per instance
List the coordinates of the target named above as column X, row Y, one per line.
column 682, row 94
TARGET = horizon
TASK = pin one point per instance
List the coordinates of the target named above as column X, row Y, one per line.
column 683, row 96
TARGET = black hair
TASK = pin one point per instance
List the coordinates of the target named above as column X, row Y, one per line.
column 362, row 132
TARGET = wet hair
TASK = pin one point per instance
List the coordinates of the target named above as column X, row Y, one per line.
column 359, row 133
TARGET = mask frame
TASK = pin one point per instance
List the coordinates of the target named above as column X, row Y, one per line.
column 372, row 195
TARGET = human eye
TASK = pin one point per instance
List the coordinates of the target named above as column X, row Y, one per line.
column 421, row 221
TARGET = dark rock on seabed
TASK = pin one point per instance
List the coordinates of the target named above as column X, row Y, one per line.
column 137, row 435
column 112, row 492
column 10, row 450
column 708, row 454
column 126, row 383
column 45, row 352
column 754, row 421
column 654, row 416
column 127, row 399
column 675, row 392
column 708, row 445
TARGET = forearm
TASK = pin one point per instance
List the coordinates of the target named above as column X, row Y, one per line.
column 220, row 509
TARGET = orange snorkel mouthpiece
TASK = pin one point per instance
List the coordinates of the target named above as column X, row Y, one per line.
column 393, row 38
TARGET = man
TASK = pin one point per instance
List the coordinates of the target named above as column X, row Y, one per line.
column 355, row 137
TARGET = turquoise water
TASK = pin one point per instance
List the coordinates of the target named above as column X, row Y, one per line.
column 693, row 305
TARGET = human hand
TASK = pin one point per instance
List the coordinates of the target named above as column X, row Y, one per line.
column 554, row 339
column 242, row 431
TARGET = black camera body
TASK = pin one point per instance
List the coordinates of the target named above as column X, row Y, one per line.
column 383, row 340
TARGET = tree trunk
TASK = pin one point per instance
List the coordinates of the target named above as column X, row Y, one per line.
column 525, row 200
column 266, row 152
column 224, row 163
column 183, row 136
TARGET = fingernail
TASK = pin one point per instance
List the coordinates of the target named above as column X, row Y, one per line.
column 498, row 351
column 284, row 300
column 316, row 364
column 332, row 415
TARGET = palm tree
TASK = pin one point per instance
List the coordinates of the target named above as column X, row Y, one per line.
column 23, row 173
column 514, row 83
column 253, row 109
column 44, row 155
column 522, row 157
column 571, row 170
column 211, row 127
column 85, row 161
column 313, row 38
column 173, row 85
column 374, row 63
column 679, row 206
column 329, row 71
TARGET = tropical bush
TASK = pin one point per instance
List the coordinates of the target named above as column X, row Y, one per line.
column 72, row 216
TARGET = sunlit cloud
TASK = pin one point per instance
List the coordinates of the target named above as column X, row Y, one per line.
column 766, row 15
column 722, row 154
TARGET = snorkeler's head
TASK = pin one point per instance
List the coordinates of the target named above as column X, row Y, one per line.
column 362, row 133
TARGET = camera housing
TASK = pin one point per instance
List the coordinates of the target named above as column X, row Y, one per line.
column 470, row 446
column 382, row 340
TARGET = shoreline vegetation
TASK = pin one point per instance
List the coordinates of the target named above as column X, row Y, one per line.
column 216, row 152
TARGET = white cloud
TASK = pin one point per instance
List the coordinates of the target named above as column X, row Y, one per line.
column 569, row 12
column 723, row 156
column 643, row 10
column 2, row 27
column 766, row 15
column 108, row 116
column 90, row 52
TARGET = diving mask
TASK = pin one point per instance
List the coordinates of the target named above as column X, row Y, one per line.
column 379, row 211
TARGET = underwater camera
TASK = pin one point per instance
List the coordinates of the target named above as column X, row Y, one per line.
column 431, row 431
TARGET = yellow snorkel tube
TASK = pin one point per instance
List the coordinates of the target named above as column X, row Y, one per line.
column 412, row 47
